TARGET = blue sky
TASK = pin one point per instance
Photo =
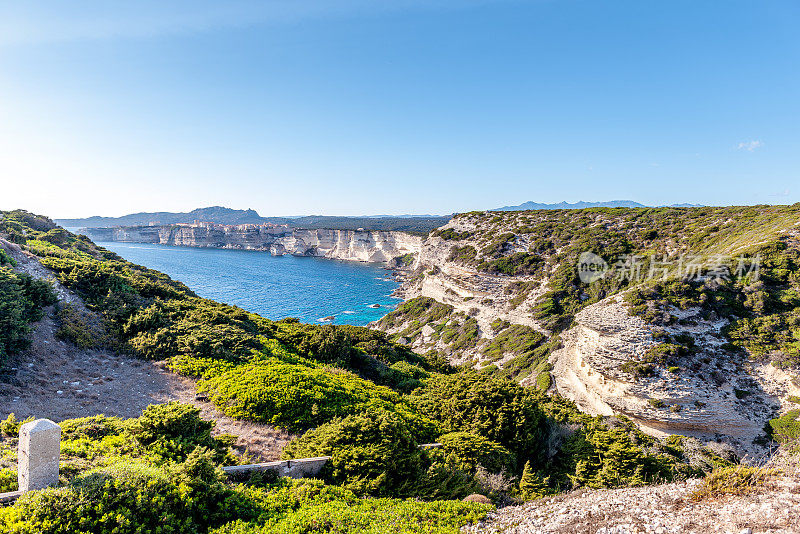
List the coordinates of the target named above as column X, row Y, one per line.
column 363, row 107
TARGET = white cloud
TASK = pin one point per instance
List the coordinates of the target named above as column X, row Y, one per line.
column 750, row 145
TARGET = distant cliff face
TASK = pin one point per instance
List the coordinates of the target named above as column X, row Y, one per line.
column 395, row 248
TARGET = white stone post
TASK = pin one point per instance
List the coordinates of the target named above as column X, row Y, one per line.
column 39, row 454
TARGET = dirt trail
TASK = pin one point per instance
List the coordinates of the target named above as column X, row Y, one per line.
column 57, row 380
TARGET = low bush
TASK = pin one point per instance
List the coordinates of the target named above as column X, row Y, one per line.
column 495, row 408
column 373, row 453
column 468, row 451
column 173, row 431
column 298, row 397
column 737, row 480
column 81, row 328
column 786, row 428
column 8, row 480
column 21, row 301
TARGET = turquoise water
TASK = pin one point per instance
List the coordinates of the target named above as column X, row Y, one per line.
column 274, row 287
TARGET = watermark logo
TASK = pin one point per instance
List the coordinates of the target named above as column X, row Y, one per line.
column 591, row 267
column 639, row 267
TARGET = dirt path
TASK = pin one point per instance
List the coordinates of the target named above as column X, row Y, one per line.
column 57, row 380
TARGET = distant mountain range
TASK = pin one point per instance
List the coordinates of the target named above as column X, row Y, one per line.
column 222, row 215
column 582, row 205
column 409, row 223
column 217, row 214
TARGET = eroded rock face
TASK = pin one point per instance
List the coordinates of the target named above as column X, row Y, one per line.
column 710, row 393
column 367, row 246
column 482, row 295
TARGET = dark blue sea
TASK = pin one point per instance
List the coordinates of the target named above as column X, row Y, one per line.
column 273, row 287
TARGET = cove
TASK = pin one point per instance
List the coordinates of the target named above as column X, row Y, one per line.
column 308, row 288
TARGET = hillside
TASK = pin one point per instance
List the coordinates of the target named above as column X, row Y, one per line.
column 346, row 392
column 713, row 356
column 417, row 224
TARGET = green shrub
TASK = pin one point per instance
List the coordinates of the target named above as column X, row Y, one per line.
column 129, row 497
column 10, row 427
column 468, row 451
column 21, row 300
column 638, row 369
column 8, row 480
column 173, row 431
column 495, row 408
column 786, row 428
column 532, row 485
column 298, row 397
column 737, row 480
column 5, row 259
column 544, row 381
column 371, row 516
column 373, row 453
column 81, row 328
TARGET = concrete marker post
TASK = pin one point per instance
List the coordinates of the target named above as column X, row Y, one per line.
column 39, row 455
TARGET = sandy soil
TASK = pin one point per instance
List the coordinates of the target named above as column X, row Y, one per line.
column 56, row 380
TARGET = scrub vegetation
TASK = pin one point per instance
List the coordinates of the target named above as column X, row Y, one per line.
column 534, row 254
column 359, row 397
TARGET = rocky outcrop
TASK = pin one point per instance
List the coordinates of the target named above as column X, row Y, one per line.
column 711, row 394
column 356, row 245
column 482, row 295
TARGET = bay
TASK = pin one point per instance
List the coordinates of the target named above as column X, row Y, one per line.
column 274, row 287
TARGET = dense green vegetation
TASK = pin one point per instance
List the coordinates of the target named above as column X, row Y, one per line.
column 160, row 473
column 763, row 307
column 361, row 398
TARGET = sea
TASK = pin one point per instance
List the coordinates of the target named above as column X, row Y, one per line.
column 314, row 290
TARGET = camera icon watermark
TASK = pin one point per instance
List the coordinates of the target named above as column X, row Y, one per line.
column 591, row 267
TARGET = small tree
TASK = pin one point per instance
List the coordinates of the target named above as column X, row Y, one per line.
column 532, row 485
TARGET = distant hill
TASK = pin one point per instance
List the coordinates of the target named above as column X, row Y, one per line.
column 217, row 214
column 221, row 215
column 530, row 205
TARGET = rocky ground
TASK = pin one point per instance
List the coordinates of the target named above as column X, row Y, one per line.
column 663, row 509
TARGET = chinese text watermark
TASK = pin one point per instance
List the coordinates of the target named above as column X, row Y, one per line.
column 640, row 267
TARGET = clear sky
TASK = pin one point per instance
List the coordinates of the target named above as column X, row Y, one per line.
column 405, row 106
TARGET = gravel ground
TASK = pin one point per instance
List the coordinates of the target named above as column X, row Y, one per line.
column 660, row 509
